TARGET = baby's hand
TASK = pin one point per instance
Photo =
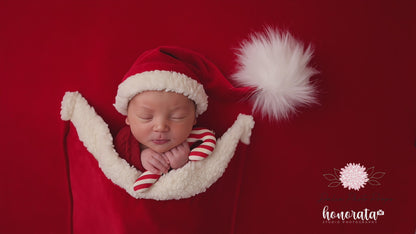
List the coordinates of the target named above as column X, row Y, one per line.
column 178, row 156
column 154, row 162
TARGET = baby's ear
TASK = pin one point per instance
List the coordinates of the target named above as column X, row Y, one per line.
column 127, row 121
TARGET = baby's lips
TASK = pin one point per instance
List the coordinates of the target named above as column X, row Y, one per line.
column 160, row 141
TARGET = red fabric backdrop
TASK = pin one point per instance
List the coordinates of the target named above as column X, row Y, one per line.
column 364, row 52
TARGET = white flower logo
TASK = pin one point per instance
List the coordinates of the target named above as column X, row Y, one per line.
column 354, row 176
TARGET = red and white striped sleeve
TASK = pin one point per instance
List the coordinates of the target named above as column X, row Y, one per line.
column 206, row 147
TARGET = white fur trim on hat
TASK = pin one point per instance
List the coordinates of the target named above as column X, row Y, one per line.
column 157, row 80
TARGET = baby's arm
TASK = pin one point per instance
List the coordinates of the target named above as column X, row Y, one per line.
column 154, row 162
column 178, row 156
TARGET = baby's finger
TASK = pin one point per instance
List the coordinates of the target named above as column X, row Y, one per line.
column 166, row 158
column 184, row 146
column 154, row 170
column 169, row 154
column 161, row 159
column 160, row 164
column 174, row 151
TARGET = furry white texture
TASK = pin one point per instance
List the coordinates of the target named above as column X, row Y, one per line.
column 276, row 65
column 160, row 80
column 193, row 178
column 96, row 137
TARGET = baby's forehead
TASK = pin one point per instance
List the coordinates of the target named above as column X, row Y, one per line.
column 157, row 96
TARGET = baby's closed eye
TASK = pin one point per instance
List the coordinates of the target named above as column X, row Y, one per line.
column 145, row 117
column 178, row 117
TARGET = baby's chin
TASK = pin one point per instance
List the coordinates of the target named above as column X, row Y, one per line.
column 163, row 147
column 160, row 148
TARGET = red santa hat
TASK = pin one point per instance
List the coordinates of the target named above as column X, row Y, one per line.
column 175, row 69
column 273, row 71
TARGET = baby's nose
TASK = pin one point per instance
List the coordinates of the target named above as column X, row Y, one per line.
column 161, row 125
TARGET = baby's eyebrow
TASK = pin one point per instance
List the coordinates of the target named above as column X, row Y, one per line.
column 145, row 108
column 179, row 107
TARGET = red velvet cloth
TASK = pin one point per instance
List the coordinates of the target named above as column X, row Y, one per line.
column 99, row 206
column 364, row 51
column 128, row 148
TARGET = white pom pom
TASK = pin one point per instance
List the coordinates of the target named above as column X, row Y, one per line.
column 276, row 65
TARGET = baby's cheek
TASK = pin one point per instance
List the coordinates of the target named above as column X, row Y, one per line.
column 139, row 134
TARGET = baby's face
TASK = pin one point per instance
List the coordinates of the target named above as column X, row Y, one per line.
column 160, row 120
